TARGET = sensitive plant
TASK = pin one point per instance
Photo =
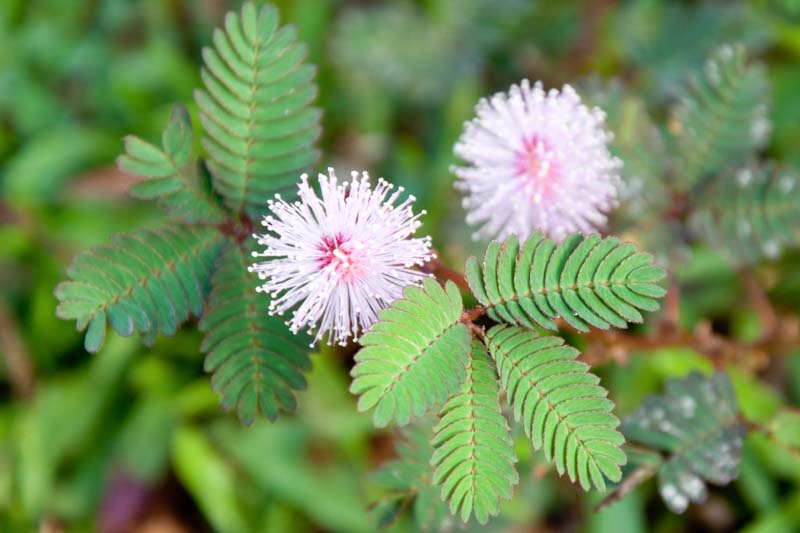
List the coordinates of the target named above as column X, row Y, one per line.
column 540, row 176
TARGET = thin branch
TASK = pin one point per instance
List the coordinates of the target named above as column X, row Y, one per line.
column 444, row 273
column 605, row 345
column 636, row 478
column 473, row 314
column 781, row 332
column 763, row 307
column 670, row 319
column 476, row 330
column 16, row 357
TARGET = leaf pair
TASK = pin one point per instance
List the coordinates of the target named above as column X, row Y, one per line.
column 710, row 172
column 173, row 175
column 418, row 356
column 563, row 409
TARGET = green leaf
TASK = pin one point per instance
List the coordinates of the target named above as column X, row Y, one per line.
column 260, row 128
column 639, row 143
column 751, row 214
column 785, row 427
column 209, row 478
column 562, row 407
column 408, row 477
column 414, row 357
column 172, row 172
column 67, row 418
column 696, row 424
column 427, row 58
column 275, row 458
column 148, row 281
column 722, row 118
column 257, row 362
column 474, row 457
column 410, row 471
column 585, row 280
column 143, row 442
column 35, row 174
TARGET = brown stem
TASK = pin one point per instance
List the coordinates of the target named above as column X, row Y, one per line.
column 476, row 330
column 616, row 345
column 637, row 477
column 781, row 333
column 445, row 273
column 758, row 299
column 16, row 357
column 672, row 305
column 591, row 24
column 240, row 230
column 473, row 314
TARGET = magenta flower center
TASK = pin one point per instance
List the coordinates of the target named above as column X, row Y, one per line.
column 341, row 256
column 536, row 164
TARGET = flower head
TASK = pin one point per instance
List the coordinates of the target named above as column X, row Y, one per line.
column 536, row 160
column 340, row 257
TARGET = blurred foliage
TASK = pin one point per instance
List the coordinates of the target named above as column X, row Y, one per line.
column 131, row 437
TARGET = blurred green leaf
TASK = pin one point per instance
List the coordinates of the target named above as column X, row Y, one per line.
column 408, row 478
column 35, row 175
column 143, row 444
column 696, row 424
column 208, row 477
column 63, row 419
column 757, row 400
column 277, row 458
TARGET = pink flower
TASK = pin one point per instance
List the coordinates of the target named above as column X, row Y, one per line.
column 536, row 161
column 339, row 258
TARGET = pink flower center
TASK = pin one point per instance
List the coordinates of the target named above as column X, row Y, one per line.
column 536, row 164
column 341, row 255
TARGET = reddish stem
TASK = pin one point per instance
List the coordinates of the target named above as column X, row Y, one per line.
column 445, row 273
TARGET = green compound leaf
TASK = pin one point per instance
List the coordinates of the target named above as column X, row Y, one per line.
column 172, row 172
column 722, row 118
column 586, row 280
column 696, row 425
column 408, row 478
column 637, row 141
column 257, row 362
column 415, row 356
column 148, row 281
column 410, row 471
column 751, row 214
column 474, row 457
column 562, row 407
column 395, row 48
column 260, row 128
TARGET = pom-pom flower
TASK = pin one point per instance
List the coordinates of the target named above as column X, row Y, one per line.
column 537, row 161
column 339, row 257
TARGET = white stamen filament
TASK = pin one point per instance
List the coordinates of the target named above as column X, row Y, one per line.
column 339, row 258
